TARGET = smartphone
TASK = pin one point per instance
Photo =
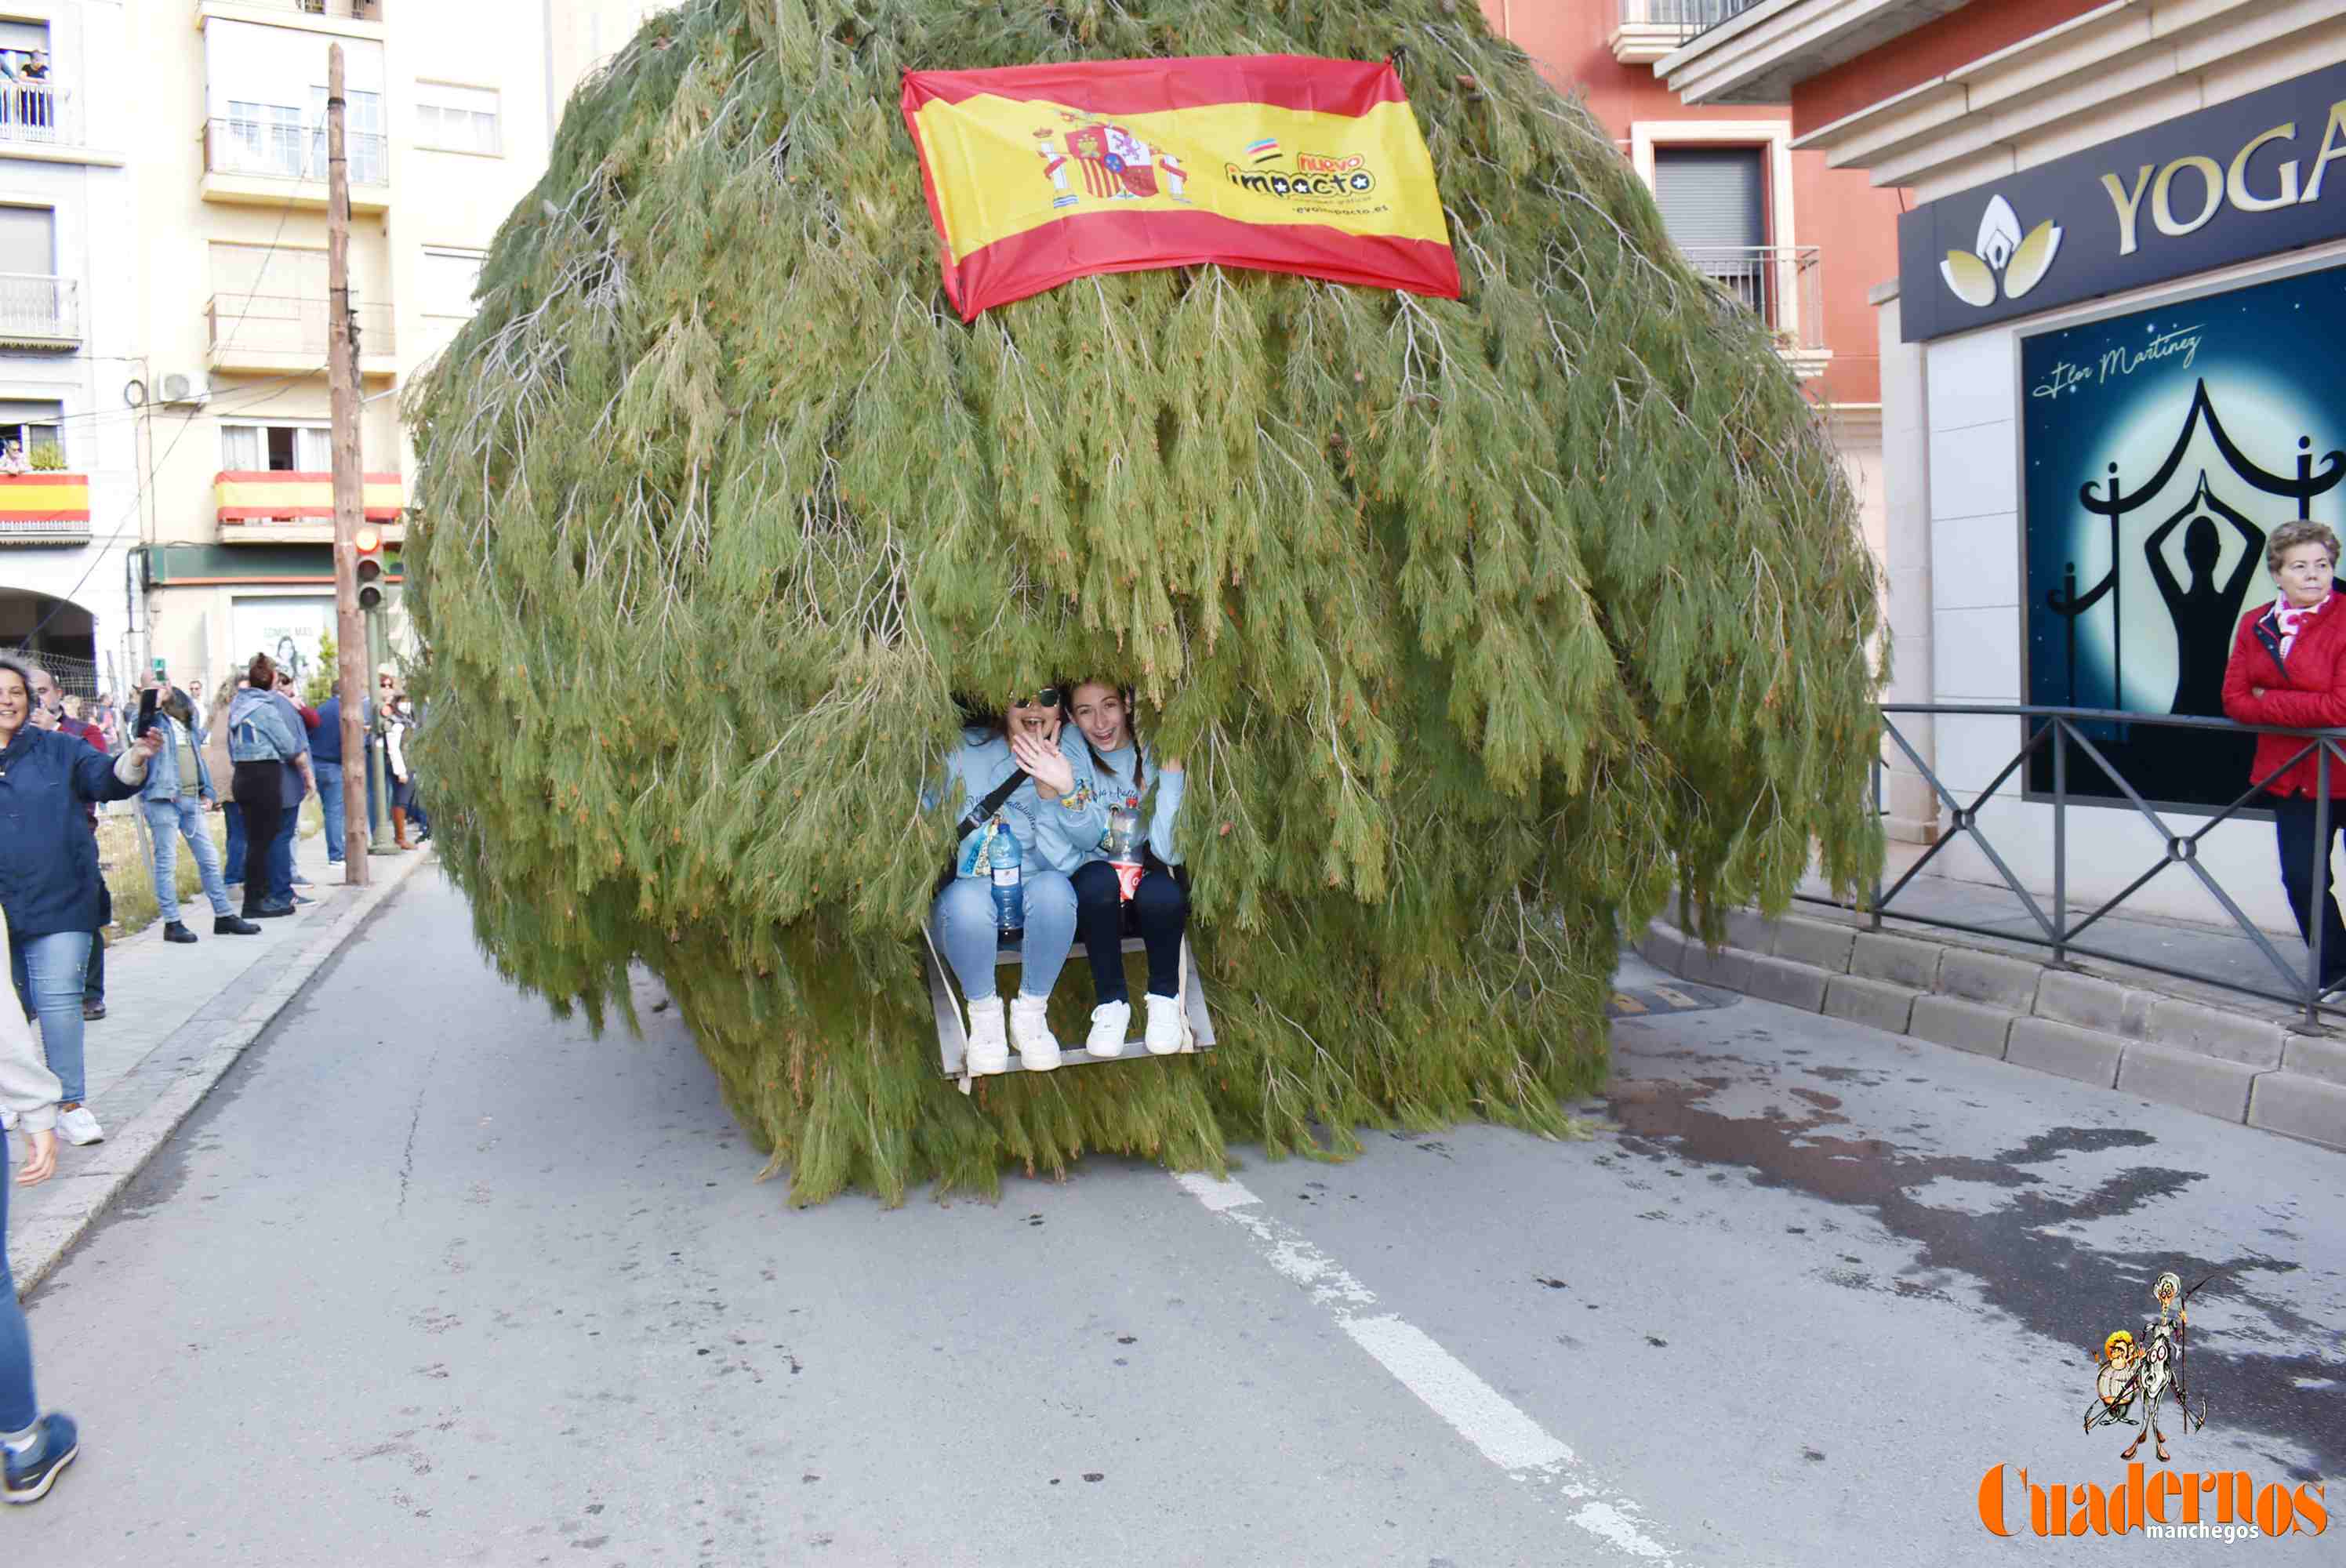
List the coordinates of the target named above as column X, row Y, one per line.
column 146, row 713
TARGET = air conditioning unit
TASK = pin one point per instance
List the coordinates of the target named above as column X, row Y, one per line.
column 184, row 388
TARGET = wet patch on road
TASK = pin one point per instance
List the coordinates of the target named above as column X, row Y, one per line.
column 2005, row 1232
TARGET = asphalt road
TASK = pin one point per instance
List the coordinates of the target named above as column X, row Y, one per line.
column 434, row 1279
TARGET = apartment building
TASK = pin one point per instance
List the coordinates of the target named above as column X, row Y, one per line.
column 1797, row 241
column 452, row 106
column 67, row 357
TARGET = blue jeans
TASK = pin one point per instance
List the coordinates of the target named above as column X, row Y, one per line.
column 234, row 871
column 329, row 801
column 964, row 923
column 49, row 972
column 17, row 1409
column 168, row 821
column 280, row 855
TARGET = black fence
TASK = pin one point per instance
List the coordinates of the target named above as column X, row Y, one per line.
column 2062, row 738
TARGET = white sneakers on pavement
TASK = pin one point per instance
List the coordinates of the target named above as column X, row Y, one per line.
column 1111, row 1021
column 77, row 1126
column 989, row 1046
column 1164, row 1036
column 1039, row 1049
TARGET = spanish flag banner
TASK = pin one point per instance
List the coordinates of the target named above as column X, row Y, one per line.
column 1040, row 174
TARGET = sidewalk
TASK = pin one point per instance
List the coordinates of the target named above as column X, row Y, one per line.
column 177, row 1018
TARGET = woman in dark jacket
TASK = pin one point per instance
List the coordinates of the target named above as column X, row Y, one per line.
column 49, row 884
column 2289, row 668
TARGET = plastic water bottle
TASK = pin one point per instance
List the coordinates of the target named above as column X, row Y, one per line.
column 1121, row 843
column 1004, row 857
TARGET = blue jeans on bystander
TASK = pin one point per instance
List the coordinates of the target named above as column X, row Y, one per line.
column 49, row 972
column 280, row 855
column 168, row 821
column 330, row 802
column 17, row 1409
column 233, row 870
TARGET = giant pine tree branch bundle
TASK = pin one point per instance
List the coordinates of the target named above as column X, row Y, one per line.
column 1483, row 628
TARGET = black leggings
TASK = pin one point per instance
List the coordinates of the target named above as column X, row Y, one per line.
column 1161, row 913
column 258, row 791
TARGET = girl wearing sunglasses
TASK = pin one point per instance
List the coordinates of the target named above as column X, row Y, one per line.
column 1128, row 872
column 1029, row 814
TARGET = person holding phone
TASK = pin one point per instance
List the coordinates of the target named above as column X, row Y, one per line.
column 50, row 887
column 179, row 790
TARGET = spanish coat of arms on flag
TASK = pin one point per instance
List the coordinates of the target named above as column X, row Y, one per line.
column 1039, row 174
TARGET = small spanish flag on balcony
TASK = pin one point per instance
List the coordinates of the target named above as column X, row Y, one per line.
column 45, row 498
column 1039, row 174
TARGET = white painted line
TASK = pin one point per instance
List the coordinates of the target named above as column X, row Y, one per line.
column 1449, row 1388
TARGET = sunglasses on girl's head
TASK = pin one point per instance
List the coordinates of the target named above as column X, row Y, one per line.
column 1047, row 697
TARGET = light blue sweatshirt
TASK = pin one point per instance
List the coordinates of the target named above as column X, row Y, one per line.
column 1053, row 835
column 1117, row 785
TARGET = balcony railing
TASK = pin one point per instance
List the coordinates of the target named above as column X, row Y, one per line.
column 295, row 497
column 40, row 112
column 279, row 324
column 1685, row 17
column 36, row 306
column 273, row 149
column 356, row 10
column 1783, row 285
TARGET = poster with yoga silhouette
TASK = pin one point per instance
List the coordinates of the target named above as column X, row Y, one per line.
column 2159, row 449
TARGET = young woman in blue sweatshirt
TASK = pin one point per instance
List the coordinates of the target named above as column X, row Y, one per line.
column 1055, row 816
column 1122, row 771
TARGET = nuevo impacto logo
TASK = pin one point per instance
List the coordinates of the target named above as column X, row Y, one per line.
column 2002, row 253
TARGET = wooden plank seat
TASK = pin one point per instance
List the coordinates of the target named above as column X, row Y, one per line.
column 953, row 1026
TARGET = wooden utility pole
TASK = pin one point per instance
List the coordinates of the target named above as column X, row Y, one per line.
column 350, row 482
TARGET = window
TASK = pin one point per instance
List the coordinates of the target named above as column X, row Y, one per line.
column 268, row 138
column 32, row 426
column 457, row 119
column 28, row 241
column 362, row 138
column 1712, row 197
column 275, row 449
column 449, row 277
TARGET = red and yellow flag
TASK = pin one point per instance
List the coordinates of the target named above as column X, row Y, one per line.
column 1038, row 174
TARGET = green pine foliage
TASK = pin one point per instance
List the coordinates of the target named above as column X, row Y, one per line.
column 1483, row 628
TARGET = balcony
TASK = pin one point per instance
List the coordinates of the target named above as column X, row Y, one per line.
column 39, row 313
column 43, row 508
column 267, row 163
column 1783, row 285
column 39, row 114
column 323, row 11
column 285, row 507
column 1650, row 29
column 278, row 334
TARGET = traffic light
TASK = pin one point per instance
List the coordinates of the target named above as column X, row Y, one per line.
column 369, row 540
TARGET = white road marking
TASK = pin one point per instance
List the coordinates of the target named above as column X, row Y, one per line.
column 1449, row 1388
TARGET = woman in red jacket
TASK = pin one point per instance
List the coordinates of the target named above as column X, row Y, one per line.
column 2289, row 668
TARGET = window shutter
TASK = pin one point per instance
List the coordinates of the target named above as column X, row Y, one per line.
column 28, row 241
column 1712, row 197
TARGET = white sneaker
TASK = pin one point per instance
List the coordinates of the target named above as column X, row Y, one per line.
column 1111, row 1021
column 77, row 1126
column 1164, row 1036
column 1038, row 1051
column 988, row 1050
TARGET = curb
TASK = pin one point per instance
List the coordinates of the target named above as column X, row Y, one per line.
column 2227, row 1063
column 39, row 1247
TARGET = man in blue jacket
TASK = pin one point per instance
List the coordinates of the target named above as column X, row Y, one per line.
column 178, row 791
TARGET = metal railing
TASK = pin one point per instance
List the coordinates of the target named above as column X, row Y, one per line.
column 282, row 324
column 1686, row 17
column 1783, row 285
column 357, row 10
column 279, row 150
column 35, row 305
column 2061, row 730
column 38, row 112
